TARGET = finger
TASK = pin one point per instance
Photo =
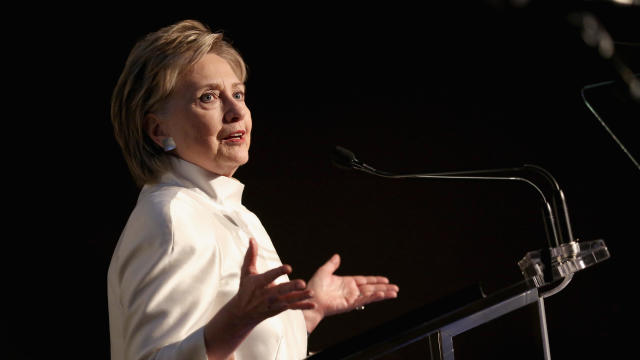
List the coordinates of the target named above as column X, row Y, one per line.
column 289, row 286
column 381, row 295
column 331, row 265
column 276, row 308
column 296, row 296
column 361, row 280
column 369, row 289
column 300, row 305
column 374, row 297
column 270, row 275
column 390, row 294
column 250, row 258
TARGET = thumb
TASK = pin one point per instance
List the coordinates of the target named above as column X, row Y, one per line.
column 332, row 265
column 250, row 258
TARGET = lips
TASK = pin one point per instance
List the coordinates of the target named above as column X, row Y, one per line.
column 235, row 136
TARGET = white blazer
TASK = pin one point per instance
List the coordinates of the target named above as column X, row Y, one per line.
column 178, row 262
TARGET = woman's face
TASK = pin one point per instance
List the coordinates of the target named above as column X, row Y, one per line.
column 207, row 117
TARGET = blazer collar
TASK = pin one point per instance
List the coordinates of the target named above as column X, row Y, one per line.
column 221, row 189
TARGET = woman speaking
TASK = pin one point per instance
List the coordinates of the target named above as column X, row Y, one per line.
column 194, row 274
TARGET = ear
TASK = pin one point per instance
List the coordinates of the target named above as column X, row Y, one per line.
column 154, row 128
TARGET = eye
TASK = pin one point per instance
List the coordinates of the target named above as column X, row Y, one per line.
column 238, row 95
column 208, row 97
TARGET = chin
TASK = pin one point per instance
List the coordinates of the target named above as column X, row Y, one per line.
column 242, row 159
column 238, row 161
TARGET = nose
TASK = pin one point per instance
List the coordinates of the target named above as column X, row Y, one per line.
column 234, row 110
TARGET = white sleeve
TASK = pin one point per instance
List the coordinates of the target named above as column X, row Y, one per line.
column 168, row 279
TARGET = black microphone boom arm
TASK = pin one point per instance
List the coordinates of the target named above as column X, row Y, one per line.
column 564, row 255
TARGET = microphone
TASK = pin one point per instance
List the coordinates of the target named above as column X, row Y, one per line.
column 559, row 261
column 345, row 159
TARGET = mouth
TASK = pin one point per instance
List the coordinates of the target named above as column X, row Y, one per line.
column 235, row 137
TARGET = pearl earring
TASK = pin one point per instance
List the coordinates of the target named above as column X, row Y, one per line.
column 168, row 144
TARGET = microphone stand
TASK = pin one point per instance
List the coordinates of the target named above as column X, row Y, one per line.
column 602, row 122
column 564, row 255
column 543, row 267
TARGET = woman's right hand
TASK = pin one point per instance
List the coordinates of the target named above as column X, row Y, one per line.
column 258, row 298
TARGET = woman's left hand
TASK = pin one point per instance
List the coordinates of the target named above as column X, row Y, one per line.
column 338, row 294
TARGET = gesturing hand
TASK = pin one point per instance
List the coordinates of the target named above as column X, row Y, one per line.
column 259, row 297
column 334, row 294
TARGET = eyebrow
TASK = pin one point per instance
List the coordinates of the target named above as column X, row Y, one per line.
column 214, row 85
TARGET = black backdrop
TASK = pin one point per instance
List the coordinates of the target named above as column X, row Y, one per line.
column 408, row 89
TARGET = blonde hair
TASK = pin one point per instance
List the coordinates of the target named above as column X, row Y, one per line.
column 149, row 77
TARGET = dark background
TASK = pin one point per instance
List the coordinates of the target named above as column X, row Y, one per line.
column 409, row 89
